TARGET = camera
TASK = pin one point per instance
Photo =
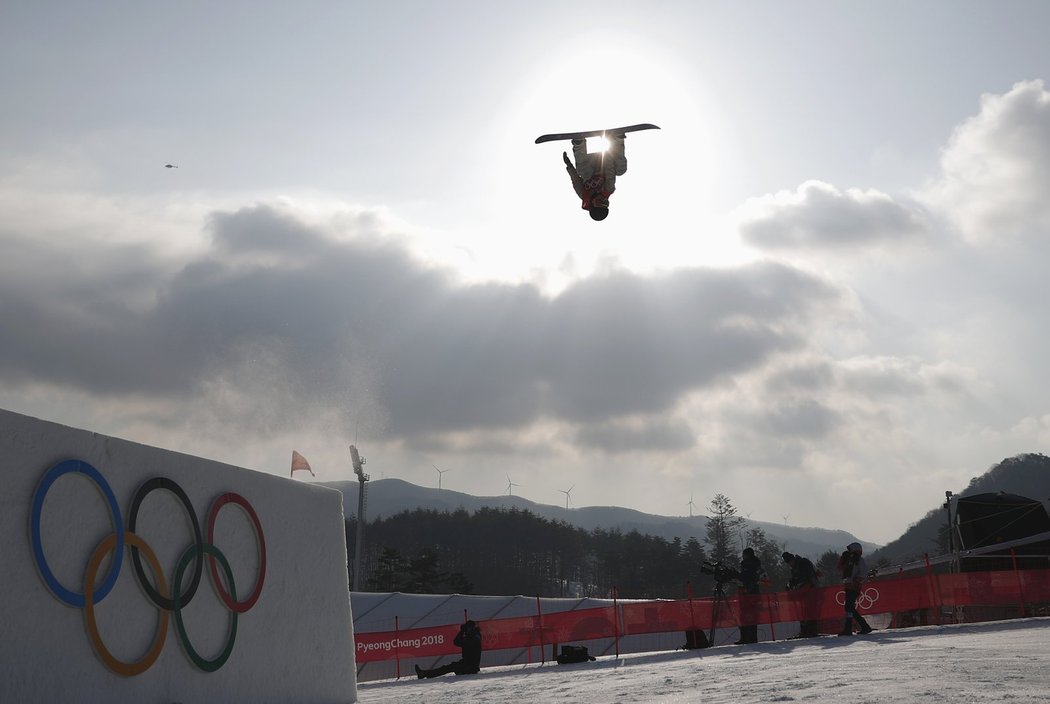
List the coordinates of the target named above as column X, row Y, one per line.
column 720, row 572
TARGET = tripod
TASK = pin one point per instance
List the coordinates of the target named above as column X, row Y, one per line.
column 719, row 601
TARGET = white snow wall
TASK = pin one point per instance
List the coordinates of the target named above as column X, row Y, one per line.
column 293, row 645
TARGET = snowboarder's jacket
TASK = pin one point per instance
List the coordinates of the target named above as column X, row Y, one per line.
column 594, row 175
column 803, row 573
column 859, row 571
column 846, row 566
column 751, row 573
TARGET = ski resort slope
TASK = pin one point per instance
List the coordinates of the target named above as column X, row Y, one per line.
column 1002, row 661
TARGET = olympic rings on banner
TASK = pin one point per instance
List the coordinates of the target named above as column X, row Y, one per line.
column 159, row 595
column 865, row 600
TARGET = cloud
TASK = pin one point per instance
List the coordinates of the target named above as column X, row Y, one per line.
column 647, row 435
column 307, row 320
column 896, row 376
column 819, row 216
column 995, row 170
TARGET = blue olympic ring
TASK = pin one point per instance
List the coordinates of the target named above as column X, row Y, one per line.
column 50, row 477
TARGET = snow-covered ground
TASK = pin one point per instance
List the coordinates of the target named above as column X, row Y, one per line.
column 1002, row 661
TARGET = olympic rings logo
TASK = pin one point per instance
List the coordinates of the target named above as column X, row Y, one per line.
column 865, row 600
column 159, row 594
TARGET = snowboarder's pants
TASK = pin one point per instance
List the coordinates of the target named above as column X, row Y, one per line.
column 851, row 608
column 589, row 164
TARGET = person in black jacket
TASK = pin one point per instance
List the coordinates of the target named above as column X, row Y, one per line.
column 804, row 580
column 469, row 641
column 751, row 574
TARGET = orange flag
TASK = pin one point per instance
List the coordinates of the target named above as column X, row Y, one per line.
column 299, row 464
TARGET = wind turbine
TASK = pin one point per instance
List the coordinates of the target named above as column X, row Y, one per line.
column 691, row 504
column 441, row 473
column 785, row 517
column 510, row 486
column 567, row 492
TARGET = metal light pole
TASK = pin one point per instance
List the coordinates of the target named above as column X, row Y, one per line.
column 359, row 544
column 951, row 529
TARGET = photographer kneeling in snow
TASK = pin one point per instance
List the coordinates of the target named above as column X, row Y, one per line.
column 469, row 641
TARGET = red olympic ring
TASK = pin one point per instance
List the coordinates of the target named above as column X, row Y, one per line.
column 231, row 602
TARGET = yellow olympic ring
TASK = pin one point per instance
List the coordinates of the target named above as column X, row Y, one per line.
column 104, row 548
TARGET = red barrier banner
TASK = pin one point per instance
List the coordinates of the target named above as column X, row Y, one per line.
column 403, row 645
column 889, row 595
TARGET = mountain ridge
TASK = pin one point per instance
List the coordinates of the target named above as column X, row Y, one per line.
column 387, row 497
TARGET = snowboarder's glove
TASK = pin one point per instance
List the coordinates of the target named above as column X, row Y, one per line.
column 565, row 158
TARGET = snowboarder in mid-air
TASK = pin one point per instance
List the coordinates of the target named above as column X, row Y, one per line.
column 594, row 174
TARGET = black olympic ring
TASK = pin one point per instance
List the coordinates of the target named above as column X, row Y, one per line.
column 198, row 569
column 120, row 538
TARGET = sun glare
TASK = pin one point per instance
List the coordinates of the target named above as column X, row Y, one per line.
column 671, row 186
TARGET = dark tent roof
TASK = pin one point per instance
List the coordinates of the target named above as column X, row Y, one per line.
column 987, row 519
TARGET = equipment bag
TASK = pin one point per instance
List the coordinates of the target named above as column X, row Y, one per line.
column 573, row 653
column 696, row 639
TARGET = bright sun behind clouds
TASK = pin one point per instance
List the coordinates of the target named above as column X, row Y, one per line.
column 664, row 214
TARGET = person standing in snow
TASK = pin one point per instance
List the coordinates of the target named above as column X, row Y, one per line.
column 803, row 580
column 594, row 175
column 854, row 570
column 469, row 641
column 751, row 574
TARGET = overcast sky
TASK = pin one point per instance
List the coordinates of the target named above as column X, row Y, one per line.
column 821, row 289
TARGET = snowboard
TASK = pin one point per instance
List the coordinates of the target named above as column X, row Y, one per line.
column 594, row 133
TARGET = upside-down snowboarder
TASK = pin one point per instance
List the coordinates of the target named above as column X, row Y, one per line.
column 594, row 174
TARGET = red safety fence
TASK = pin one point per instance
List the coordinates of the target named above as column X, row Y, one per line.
column 888, row 595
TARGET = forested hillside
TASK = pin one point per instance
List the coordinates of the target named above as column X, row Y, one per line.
column 512, row 551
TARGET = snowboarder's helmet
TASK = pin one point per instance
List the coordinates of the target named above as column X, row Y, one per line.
column 599, row 213
column 749, row 552
column 855, row 547
column 788, row 557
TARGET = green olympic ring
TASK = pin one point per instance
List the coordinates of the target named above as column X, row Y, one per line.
column 206, row 665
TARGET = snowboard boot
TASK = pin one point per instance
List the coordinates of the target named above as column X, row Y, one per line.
column 847, row 628
column 865, row 629
column 420, row 673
